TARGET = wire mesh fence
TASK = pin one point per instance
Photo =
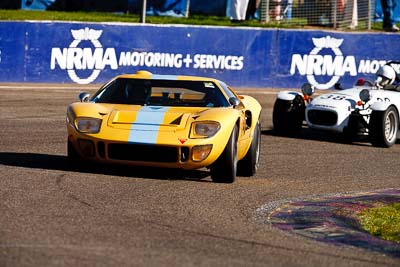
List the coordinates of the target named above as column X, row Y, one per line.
column 338, row 14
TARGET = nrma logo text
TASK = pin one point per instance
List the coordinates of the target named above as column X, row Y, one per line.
column 326, row 64
column 85, row 58
column 84, row 54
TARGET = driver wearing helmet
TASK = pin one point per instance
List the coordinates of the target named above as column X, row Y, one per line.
column 137, row 93
column 385, row 77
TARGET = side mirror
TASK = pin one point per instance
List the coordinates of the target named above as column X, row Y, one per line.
column 84, row 97
column 234, row 101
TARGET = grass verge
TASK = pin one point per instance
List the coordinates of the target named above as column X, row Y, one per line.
column 193, row 19
column 382, row 222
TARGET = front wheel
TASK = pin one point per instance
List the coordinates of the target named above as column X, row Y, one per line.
column 383, row 127
column 288, row 116
column 354, row 126
column 224, row 169
column 72, row 154
column 249, row 164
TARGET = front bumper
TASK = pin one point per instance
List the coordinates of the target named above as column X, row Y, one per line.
column 329, row 119
column 166, row 156
column 174, row 152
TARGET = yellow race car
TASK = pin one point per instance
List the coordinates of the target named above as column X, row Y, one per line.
column 166, row 121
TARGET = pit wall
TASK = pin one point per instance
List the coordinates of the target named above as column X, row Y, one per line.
column 93, row 53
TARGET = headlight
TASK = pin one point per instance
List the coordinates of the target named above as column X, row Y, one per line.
column 88, row 125
column 204, row 129
column 365, row 95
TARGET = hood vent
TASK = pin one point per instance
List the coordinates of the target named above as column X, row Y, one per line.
column 177, row 121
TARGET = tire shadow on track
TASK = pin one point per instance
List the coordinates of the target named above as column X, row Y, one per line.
column 323, row 136
column 62, row 163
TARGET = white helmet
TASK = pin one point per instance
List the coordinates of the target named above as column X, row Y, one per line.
column 385, row 75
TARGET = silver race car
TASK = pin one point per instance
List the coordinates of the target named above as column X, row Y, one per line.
column 370, row 108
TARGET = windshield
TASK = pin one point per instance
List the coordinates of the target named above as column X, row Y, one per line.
column 162, row 93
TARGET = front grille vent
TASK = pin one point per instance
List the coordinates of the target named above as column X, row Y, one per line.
column 322, row 117
column 144, row 153
column 101, row 150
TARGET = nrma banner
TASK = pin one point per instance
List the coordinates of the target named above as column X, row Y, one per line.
column 243, row 57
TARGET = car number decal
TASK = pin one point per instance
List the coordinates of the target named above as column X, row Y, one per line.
column 333, row 97
column 383, row 100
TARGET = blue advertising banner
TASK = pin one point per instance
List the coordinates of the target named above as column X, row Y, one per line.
column 12, row 51
column 325, row 58
column 82, row 53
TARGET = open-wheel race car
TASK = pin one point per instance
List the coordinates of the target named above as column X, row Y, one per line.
column 182, row 122
column 369, row 109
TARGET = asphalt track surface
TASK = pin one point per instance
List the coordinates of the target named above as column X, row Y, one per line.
column 53, row 213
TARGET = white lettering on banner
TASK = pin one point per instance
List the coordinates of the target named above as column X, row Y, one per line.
column 82, row 59
column 319, row 65
column 0, row 56
column 218, row 62
column 168, row 60
column 316, row 64
column 187, row 60
column 96, row 58
column 150, row 59
column 370, row 66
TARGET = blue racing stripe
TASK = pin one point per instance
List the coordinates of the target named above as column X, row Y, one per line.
column 145, row 128
column 164, row 77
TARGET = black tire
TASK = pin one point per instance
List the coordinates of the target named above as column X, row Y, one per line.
column 225, row 168
column 350, row 132
column 288, row 116
column 249, row 164
column 72, row 154
column 383, row 127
